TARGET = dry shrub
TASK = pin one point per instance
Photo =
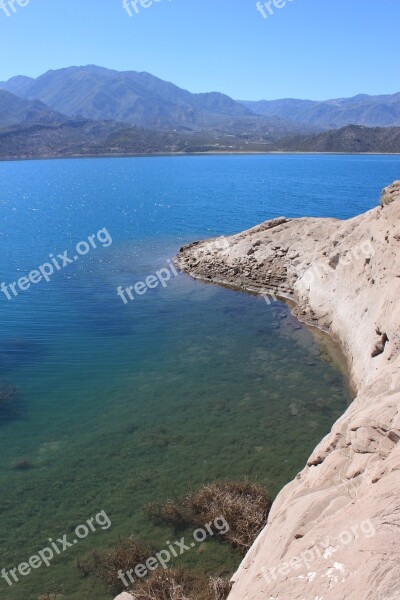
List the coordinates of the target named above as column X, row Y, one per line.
column 244, row 506
column 218, row 588
column 125, row 556
column 178, row 584
column 169, row 584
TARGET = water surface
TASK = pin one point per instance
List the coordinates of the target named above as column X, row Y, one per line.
column 120, row 405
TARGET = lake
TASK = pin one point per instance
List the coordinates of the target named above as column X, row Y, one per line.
column 117, row 404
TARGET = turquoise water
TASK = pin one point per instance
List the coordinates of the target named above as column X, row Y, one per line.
column 120, row 405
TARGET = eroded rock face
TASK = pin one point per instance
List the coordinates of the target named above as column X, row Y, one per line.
column 333, row 532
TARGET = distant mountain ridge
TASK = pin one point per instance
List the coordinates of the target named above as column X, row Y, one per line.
column 139, row 99
column 369, row 111
column 143, row 100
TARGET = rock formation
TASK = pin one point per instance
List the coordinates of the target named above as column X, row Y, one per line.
column 332, row 532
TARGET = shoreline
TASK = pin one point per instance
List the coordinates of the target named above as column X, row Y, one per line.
column 344, row 277
column 172, row 154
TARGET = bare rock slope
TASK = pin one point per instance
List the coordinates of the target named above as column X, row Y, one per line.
column 333, row 532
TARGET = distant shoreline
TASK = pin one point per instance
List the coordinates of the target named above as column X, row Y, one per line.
column 222, row 153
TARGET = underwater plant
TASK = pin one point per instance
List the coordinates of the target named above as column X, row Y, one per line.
column 9, row 401
column 22, row 465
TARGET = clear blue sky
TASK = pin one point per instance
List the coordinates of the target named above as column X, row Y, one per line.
column 314, row 49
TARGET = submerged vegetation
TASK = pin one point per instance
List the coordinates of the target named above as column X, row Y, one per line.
column 9, row 401
column 22, row 465
column 163, row 434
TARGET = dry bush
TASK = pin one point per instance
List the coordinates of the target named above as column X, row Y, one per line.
column 178, row 584
column 244, row 506
column 218, row 588
column 125, row 556
column 169, row 584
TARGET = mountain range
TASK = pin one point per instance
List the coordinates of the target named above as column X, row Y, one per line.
column 143, row 100
column 92, row 110
column 370, row 111
column 139, row 99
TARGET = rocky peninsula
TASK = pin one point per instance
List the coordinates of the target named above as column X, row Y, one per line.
column 332, row 532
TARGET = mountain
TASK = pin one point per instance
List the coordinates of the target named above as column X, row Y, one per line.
column 18, row 85
column 370, row 111
column 353, row 138
column 139, row 99
column 16, row 110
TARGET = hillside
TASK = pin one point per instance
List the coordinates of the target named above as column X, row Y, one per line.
column 349, row 139
column 14, row 110
column 83, row 137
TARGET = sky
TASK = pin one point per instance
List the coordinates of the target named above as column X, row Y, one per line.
column 314, row 49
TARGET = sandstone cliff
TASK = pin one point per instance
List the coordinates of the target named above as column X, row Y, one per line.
column 332, row 532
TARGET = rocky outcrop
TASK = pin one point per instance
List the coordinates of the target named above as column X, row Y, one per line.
column 332, row 533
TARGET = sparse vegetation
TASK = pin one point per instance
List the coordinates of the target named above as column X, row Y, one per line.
column 178, row 584
column 125, row 556
column 244, row 505
column 219, row 588
column 390, row 193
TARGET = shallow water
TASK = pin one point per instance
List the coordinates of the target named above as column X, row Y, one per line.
column 120, row 405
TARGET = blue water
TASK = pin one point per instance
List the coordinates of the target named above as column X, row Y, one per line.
column 119, row 405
